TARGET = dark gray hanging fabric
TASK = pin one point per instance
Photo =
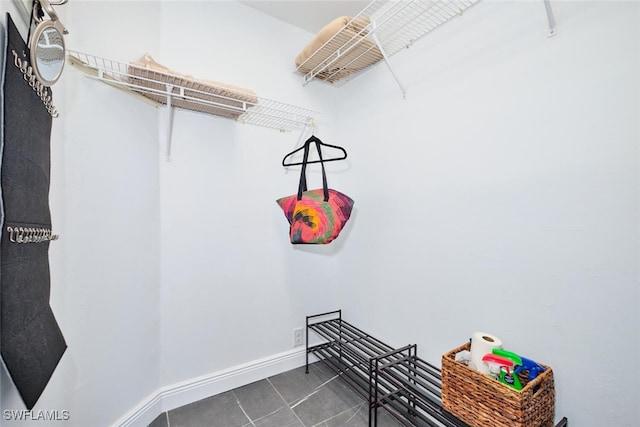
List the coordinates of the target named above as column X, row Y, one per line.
column 31, row 342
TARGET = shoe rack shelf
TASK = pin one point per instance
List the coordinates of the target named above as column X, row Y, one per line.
column 394, row 379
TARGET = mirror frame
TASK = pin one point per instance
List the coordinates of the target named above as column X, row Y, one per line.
column 41, row 28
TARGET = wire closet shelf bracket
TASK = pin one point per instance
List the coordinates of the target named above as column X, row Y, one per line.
column 177, row 91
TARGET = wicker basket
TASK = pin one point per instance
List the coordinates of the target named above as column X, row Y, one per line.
column 481, row 401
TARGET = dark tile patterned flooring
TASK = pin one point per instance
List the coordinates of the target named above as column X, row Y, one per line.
column 290, row 399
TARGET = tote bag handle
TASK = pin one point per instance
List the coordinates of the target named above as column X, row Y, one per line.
column 302, row 186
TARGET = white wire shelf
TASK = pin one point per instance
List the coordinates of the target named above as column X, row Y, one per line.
column 179, row 91
column 379, row 31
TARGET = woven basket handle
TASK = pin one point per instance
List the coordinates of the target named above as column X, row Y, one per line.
column 535, row 386
column 302, row 186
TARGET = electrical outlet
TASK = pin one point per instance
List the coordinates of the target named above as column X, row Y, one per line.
column 297, row 337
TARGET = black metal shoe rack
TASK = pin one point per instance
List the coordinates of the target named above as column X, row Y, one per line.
column 394, row 379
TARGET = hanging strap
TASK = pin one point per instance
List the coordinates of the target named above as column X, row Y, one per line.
column 302, row 186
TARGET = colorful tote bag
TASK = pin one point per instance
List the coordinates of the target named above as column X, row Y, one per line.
column 315, row 216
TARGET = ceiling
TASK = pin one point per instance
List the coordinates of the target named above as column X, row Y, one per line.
column 310, row 15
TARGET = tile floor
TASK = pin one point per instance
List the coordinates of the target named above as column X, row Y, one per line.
column 291, row 399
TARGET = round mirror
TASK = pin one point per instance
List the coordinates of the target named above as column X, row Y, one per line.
column 48, row 52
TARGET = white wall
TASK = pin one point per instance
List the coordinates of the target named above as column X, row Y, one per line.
column 508, row 178
column 230, row 291
column 502, row 195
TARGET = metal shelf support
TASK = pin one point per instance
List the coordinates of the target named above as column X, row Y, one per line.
column 169, row 121
column 550, row 18
column 386, row 61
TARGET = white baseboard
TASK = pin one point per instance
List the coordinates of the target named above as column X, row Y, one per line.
column 186, row 392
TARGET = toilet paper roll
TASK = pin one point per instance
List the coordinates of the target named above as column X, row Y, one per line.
column 482, row 343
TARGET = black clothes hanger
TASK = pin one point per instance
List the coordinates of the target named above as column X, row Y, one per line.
column 312, row 139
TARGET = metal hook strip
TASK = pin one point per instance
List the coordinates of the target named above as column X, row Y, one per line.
column 36, row 85
column 30, row 235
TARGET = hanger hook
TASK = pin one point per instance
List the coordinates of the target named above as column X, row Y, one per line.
column 46, row 6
